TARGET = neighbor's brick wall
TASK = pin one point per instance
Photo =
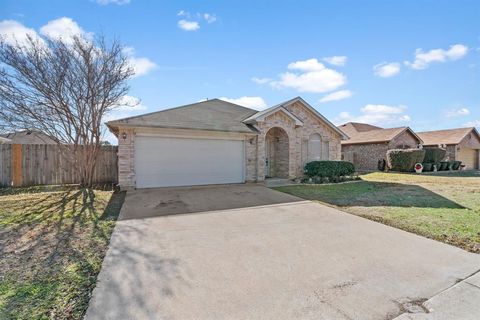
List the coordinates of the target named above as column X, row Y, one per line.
column 126, row 155
column 365, row 156
column 404, row 141
column 472, row 142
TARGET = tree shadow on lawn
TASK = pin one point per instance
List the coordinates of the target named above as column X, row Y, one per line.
column 372, row 194
column 55, row 241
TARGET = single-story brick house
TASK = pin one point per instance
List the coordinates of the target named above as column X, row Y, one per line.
column 27, row 137
column 462, row 144
column 216, row 142
column 4, row 140
column 368, row 144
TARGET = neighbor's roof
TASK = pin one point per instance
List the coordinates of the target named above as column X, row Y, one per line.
column 281, row 106
column 352, row 128
column 377, row 136
column 215, row 114
column 450, row 136
column 4, row 140
column 28, row 137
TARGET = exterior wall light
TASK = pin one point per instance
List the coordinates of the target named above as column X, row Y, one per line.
column 124, row 135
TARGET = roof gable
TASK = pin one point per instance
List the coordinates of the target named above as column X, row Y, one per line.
column 378, row 136
column 260, row 116
column 449, row 136
column 215, row 114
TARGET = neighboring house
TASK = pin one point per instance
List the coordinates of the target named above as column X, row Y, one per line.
column 4, row 140
column 217, row 142
column 462, row 144
column 28, row 137
column 368, row 144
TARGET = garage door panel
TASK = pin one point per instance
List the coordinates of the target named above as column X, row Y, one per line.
column 161, row 162
column 469, row 157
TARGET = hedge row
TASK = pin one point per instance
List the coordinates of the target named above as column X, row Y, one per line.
column 404, row 159
column 329, row 169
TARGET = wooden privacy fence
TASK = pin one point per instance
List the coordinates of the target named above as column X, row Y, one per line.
column 42, row 164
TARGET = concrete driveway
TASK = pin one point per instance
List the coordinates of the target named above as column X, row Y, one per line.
column 263, row 255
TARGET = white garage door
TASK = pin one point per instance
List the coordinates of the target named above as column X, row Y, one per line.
column 167, row 162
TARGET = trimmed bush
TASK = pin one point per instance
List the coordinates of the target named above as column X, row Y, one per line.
column 434, row 155
column 404, row 159
column 329, row 169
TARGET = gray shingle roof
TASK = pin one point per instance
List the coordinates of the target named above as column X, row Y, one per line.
column 215, row 114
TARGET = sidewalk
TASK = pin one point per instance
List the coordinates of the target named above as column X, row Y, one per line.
column 459, row 302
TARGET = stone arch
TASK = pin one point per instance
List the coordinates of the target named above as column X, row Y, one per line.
column 277, row 153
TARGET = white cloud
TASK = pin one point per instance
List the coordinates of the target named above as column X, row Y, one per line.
column 307, row 65
column 474, row 123
column 424, row 59
column 129, row 104
column 119, row 2
column 337, row 95
column 63, row 28
column 13, row 31
column 310, row 76
column 210, row 18
column 261, row 80
column 141, row 66
column 188, row 25
column 336, row 60
column 256, row 103
column 460, row 112
column 386, row 69
column 191, row 22
column 377, row 114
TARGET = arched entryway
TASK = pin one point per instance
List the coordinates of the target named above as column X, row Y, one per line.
column 276, row 153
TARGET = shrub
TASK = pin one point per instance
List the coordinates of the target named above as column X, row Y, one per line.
column 434, row 155
column 329, row 169
column 404, row 159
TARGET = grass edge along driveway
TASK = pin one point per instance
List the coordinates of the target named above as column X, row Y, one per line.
column 444, row 207
column 52, row 243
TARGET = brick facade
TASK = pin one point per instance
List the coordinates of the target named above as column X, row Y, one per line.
column 126, row 157
column 288, row 140
column 298, row 137
column 366, row 156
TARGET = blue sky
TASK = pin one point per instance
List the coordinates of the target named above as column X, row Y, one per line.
column 414, row 63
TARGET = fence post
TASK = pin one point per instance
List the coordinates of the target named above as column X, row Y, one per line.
column 17, row 165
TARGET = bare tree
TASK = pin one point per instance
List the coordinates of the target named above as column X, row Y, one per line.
column 63, row 88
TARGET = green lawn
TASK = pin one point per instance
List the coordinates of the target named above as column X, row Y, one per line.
column 441, row 206
column 52, row 243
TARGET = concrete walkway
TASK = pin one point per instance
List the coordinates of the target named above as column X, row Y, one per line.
column 461, row 301
column 248, row 252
